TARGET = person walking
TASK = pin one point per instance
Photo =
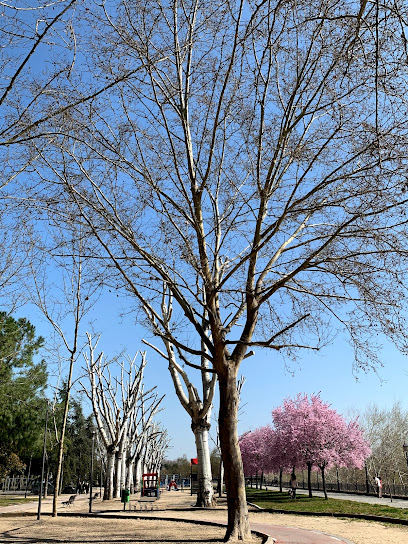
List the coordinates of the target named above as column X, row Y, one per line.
column 378, row 483
column 293, row 485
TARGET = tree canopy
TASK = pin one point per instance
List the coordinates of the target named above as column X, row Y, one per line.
column 22, row 385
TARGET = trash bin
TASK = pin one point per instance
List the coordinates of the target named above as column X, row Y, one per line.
column 125, row 495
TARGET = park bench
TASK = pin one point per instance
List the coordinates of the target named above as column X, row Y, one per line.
column 143, row 502
column 70, row 501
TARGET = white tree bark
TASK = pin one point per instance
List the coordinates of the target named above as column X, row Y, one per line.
column 138, row 475
column 114, row 403
column 205, row 486
column 110, row 475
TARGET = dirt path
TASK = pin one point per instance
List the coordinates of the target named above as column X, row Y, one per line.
column 178, row 505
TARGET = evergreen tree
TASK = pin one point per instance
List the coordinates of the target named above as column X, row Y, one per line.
column 78, row 446
column 22, row 385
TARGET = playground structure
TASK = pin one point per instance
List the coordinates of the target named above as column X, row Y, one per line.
column 172, row 483
column 150, row 485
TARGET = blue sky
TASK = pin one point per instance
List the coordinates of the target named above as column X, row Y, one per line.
column 267, row 381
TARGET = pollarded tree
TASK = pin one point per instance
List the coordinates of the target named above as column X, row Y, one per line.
column 319, row 436
column 253, row 158
column 140, row 428
column 156, row 446
column 114, row 400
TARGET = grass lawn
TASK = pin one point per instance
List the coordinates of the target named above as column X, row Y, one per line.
column 6, row 501
column 281, row 501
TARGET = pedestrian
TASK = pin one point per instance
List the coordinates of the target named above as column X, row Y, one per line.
column 378, row 483
column 293, row 485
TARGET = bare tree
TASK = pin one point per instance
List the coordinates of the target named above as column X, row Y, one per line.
column 64, row 298
column 258, row 170
column 157, row 444
column 114, row 400
column 386, row 430
column 29, row 37
column 198, row 407
column 140, row 428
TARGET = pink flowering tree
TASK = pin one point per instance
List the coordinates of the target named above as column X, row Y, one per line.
column 255, row 449
column 318, row 436
column 264, row 450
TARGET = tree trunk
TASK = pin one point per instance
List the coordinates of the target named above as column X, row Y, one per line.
column 110, row 471
column 118, row 473
column 46, row 481
column 309, row 478
column 138, row 475
column 63, row 428
column 123, row 473
column 221, row 479
column 238, row 525
column 280, row 480
column 324, row 481
column 205, row 494
column 129, row 477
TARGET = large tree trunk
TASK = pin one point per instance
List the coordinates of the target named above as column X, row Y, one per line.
column 110, row 471
column 238, row 525
column 205, row 495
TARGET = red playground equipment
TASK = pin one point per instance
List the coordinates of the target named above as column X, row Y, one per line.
column 150, row 484
column 172, row 483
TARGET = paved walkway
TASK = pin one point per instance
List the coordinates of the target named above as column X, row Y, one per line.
column 177, row 506
column 371, row 499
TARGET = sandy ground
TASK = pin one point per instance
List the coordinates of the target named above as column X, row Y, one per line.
column 173, row 504
column 99, row 531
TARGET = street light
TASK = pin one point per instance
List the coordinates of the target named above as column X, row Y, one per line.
column 90, row 486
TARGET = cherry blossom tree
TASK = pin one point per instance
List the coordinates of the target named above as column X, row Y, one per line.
column 252, row 452
column 319, row 436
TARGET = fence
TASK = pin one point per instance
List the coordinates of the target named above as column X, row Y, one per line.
column 366, row 488
column 16, row 483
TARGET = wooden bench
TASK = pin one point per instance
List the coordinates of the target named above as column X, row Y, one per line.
column 70, row 501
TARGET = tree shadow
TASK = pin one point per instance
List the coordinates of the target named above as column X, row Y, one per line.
column 7, row 538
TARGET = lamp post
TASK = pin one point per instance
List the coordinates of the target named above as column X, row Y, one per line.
column 91, row 480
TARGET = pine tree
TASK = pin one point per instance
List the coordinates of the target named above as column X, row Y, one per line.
column 22, row 385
